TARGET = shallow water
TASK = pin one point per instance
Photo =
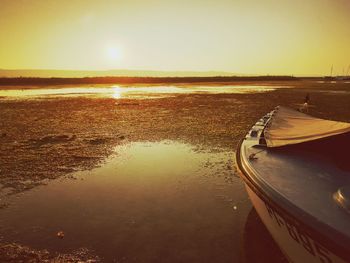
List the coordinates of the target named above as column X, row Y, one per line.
column 149, row 202
column 118, row 92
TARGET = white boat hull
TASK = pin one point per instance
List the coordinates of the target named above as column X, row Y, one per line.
column 296, row 245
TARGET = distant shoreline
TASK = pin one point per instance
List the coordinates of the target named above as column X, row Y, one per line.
column 140, row 80
column 39, row 81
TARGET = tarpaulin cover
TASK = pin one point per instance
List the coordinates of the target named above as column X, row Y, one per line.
column 288, row 126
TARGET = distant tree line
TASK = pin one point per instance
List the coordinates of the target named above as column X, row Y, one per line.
column 135, row 80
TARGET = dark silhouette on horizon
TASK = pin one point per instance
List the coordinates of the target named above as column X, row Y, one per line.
column 136, row 80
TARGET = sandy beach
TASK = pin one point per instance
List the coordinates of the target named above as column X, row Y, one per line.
column 45, row 139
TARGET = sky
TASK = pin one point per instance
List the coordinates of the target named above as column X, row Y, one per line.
column 276, row 37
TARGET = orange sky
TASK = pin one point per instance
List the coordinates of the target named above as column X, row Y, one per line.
column 242, row 36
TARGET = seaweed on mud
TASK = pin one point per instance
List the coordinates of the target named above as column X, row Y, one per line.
column 13, row 252
column 51, row 139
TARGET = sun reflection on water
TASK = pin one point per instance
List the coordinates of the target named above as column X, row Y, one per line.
column 137, row 92
column 117, row 92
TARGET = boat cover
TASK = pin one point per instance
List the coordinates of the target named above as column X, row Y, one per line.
column 288, row 126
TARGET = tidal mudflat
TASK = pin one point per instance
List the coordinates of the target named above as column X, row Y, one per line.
column 144, row 176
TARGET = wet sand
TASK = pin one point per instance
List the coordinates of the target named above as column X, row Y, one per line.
column 45, row 139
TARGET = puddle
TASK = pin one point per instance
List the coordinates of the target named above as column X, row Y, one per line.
column 118, row 92
column 150, row 202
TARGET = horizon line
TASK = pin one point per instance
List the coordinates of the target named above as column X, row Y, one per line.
column 142, row 72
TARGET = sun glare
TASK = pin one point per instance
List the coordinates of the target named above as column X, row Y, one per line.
column 113, row 53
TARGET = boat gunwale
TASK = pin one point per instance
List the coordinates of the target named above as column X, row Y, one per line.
column 271, row 196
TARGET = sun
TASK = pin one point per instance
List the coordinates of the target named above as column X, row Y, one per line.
column 113, row 53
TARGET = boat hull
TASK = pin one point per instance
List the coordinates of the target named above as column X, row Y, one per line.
column 295, row 243
column 296, row 246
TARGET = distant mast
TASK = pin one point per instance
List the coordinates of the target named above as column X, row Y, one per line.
column 332, row 71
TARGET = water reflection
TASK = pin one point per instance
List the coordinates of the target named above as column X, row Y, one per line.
column 256, row 234
column 149, row 202
column 118, row 92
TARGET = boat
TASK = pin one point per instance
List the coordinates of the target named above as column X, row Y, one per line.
column 296, row 170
